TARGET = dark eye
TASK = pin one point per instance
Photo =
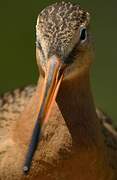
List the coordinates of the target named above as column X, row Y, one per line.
column 83, row 34
column 38, row 45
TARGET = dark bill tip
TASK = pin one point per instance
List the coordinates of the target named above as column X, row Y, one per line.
column 25, row 170
column 32, row 147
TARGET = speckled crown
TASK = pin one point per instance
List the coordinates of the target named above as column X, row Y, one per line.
column 57, row 24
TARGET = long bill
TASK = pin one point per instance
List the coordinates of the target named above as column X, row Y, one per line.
column 52, row 81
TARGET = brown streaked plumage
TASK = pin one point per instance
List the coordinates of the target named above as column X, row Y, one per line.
column 75, row 140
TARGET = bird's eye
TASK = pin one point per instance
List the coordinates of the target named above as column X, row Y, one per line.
column 83, row 34
column 38, row 45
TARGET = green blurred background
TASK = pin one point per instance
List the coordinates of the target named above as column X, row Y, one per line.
column 17, row 47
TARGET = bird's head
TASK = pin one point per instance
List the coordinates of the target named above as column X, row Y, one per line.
column 63, row 47
column 63, row 50
column 62, row 34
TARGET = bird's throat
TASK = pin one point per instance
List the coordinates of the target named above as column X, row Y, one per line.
column 76, row 104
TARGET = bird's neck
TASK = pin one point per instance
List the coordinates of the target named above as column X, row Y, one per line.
column 76, row 104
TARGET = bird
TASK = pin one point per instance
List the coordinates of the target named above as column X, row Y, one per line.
column 54, row 131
